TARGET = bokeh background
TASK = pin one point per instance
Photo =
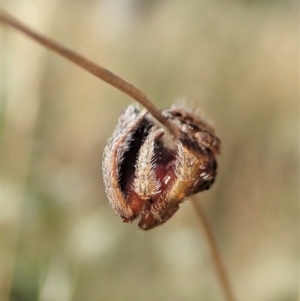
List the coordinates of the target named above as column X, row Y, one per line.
column 238, row 60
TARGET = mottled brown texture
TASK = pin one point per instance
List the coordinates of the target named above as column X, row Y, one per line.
column 145, row 178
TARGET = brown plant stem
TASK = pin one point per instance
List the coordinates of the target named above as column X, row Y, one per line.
column 140, row 97
column 215, row 252
column 93, row 68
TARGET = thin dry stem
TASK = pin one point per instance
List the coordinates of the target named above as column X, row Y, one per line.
column 93, row 68
column 140, row 97
column 215, row 252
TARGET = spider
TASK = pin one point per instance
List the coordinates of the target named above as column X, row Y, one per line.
column 145, row 176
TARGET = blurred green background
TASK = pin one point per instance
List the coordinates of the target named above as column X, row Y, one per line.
column 237, row 60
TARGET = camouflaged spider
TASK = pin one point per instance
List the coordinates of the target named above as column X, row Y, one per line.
column 145, row 177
